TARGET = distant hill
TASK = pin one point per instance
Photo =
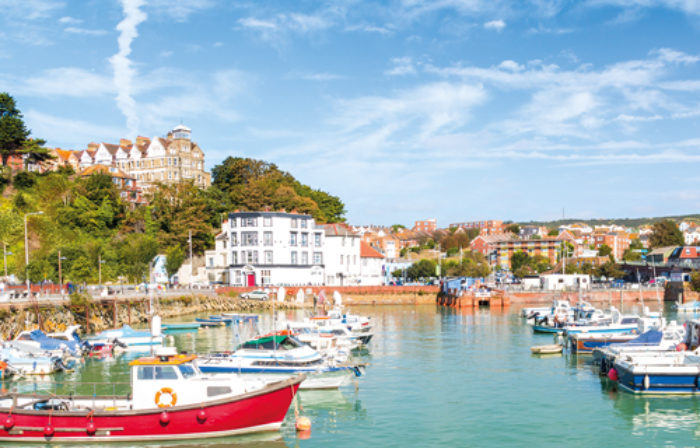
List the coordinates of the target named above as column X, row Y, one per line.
column 627, row 222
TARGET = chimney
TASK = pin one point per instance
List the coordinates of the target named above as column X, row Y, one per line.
column 124, row 142
column 92, row 146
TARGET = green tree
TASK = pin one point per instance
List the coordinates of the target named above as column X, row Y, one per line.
column 604, row 250
column 514, row 229
column 540, row 264
column 519, row 259
column 397, row 227
column 175, row 255
column 666, row 233
column 609, row 270
column 553, row 232
column 421, row 269
column 695, row 281
column 14, row 135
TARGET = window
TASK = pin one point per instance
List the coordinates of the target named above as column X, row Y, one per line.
column 267, row 221
column 268, row 257
column 343, row 241
column 234, row 239
column 249, row 238
column 304, row 239
column 249, row 222
column 354, row 259
column 211, row 262
column 294, row 257
column 175, row 161
column 165, row 373
column 251, row 256
column 265, row 276
column 341, row 259
column 237, row 277
column 292, row 238
column 234, row 257
column 304, row 258
column 186, row 370
column 303, row 223
column 267, row 238
column 294, row 223
column 224, row 244
column 318, row 258
column 233, row 221
column 317, row 239
column 145, row 373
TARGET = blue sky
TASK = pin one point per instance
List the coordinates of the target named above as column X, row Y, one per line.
column 406, row 109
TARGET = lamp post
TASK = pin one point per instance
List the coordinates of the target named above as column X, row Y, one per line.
column 26, row 250
column 99, row 269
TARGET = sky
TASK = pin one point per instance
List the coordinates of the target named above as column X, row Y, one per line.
column 458, row 110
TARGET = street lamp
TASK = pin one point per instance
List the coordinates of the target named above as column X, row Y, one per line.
column 99, row 269
column 26, row 250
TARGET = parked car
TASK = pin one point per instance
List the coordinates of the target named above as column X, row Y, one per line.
column 258, row 294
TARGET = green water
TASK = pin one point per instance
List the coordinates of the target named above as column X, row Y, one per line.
column 448, row 378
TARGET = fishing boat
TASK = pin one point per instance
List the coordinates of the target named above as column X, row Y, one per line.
column 670, row 338
column 547, row 349
column 237, row 317
column 583, row 343
column 657, row 373
column 276, row 356
column 617, row 323
column 170, row 400
column 209, row 322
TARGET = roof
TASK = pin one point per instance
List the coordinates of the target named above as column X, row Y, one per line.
column 163, row 360
column 338, row 229
column 111, row 148
column 182, row 127
column 367, row 251
column 103, row 169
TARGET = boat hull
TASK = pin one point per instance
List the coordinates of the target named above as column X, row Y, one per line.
column 682, row 380
column 263, row 410
column 585, row 344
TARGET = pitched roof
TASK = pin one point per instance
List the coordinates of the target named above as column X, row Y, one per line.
column 338, row 229
column 111, row 148
column 367, row 251
column 103, row 169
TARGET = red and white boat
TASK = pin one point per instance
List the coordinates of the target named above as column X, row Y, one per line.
column 170, row 400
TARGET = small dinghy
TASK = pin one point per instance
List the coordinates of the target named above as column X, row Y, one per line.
column 546, row 349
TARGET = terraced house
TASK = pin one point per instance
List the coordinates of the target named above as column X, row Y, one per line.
column 168, row 160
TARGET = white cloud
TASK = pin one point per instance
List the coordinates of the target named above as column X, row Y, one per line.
column 401, row 67
column 511, row 65
column 69, row 21
column 64, row 81
column 497, row 25
column 179, row 10
column 251, row 22
column 84, row 31
column 69, row 131
column 320, row 76
column 691, row 7
column 30, row 9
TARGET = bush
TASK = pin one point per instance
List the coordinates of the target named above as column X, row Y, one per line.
column 80, row 299
column 695, row 281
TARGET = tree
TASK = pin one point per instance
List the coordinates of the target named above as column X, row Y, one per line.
column 553, row 232
column 609, row 270
column 421, row 269
column 633, row 252
column 604, row 250
column 695, row 281
column 14, row 135
column 666, row 233
column 174, row 257
column 540, row 264
column 514, row 229
column 523, row 271
column 519, row 259
column 397, row 227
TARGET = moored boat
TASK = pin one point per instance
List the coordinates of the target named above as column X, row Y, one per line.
column 276, row 356
column 170, row 400
column 547, row 349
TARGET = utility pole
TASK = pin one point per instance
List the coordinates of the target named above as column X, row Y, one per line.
column 99, row 270
column 4, row 255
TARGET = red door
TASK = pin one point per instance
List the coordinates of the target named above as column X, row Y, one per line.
column 251, row 279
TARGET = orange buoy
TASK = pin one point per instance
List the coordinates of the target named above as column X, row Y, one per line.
column 303, row 424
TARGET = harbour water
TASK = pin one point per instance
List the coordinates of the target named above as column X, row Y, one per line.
column 439, row 377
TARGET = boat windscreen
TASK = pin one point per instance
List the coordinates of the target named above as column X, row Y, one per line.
column 650, row 337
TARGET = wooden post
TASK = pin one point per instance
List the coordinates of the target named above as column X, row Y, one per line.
column 114, row 319
column 128, row 307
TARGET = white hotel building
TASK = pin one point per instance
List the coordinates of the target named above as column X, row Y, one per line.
column 267, row 248
column 278, row 248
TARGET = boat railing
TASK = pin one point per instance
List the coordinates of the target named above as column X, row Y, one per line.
column 113, row 390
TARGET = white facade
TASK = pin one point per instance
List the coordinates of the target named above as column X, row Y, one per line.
column 560, row 282
column 267, row 248
column 691, row 235
column 371, row 266
column 342, row 256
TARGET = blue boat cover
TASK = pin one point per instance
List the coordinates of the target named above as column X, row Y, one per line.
column 651, row 337
column 47, row 343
